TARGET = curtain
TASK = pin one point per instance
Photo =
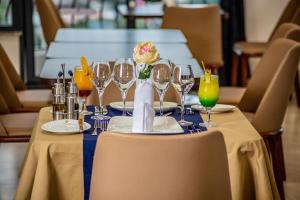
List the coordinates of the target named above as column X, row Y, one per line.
column 233, row 31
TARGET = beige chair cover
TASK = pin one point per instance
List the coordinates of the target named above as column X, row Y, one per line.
column 264, row 70
column 8, row 91
column 50, row 19
column 178, row 167
column 271, row 110
column 11, row 71
column 202, row 28
column 273, row 58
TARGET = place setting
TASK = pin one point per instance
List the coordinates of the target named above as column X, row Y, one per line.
column 149, row 73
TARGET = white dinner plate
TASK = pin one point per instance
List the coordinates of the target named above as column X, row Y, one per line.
column 64, row 126
column 161, row 125
column 167, row 106
column 219, row 108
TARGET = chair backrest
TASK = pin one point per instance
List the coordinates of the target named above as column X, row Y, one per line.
column 288, row 14
column 113, row 94
column 265, row 71
column 50, row 18
column 274, row 66
column 148, row 167
column 8, row 91
column 284, row 31
column 11, row 71
column 270, row 113
column 201, row 27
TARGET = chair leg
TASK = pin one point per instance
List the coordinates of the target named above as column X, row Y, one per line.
column 274, row 144
column 234, row 69
column 297, row 88
column 244, row 70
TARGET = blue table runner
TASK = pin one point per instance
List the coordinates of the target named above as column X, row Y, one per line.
column 89, row 141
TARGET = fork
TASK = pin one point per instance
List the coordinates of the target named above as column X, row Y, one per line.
column 105, row 124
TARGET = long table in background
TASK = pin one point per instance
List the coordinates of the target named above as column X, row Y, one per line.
column 51, row 67
column 53, row 166
column 112, row 51
column 119, row 35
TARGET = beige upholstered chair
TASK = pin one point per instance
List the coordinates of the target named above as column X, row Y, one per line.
column 31, row 100
column 266, row 98
column 112, row 94
column 233, row 95
column 243, row 50
column 15, row 127
column 50, row 19
column 178, row 167
column 202, row 28
column 11, row 71
column 24, row 100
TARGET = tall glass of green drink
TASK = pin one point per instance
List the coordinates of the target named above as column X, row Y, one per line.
column 208, row 95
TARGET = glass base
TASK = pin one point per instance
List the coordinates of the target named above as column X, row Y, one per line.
column 184, row 123
column 85, row 112
column 208, row 124
column 100, row 117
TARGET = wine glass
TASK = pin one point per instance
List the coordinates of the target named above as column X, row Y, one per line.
column 161, row 77
column 101, row 78
column 183, row 81
column 85, row 87
column 208, row 95
column 124, row 77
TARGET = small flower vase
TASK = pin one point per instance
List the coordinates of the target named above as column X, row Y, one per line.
column 143, row 113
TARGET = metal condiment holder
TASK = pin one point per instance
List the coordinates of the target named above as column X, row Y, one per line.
column 65, row 97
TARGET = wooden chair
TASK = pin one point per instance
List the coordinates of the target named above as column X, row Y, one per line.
column 15, row 127
column 242, row 51
column 148, row 167
column 202, row 28
column 266, row 98
column 233, row 95
column 50, row 19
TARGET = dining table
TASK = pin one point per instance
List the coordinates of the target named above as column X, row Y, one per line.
column 111, row 51
column 59, row 166
column 119, row 35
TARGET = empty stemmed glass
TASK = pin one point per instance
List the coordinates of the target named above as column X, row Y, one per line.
column 124, row 76
column 101, row 78
column 183, row 81
column 161, row 77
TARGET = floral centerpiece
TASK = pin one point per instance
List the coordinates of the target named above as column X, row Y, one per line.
column 145, row 55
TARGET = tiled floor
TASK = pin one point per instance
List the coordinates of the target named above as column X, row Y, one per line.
column 11, row 156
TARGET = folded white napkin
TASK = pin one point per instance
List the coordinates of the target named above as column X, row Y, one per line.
column 143, row 112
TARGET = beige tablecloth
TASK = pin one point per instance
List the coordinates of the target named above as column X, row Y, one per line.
column 53, row 166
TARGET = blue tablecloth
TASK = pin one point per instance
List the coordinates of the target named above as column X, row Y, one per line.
column 89, row 142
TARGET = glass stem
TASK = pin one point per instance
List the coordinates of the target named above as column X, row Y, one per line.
column 182, row 97
column 208, row 110
column 83, row 104
column 124, row 99
column 100, row 94
column 161, row 101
